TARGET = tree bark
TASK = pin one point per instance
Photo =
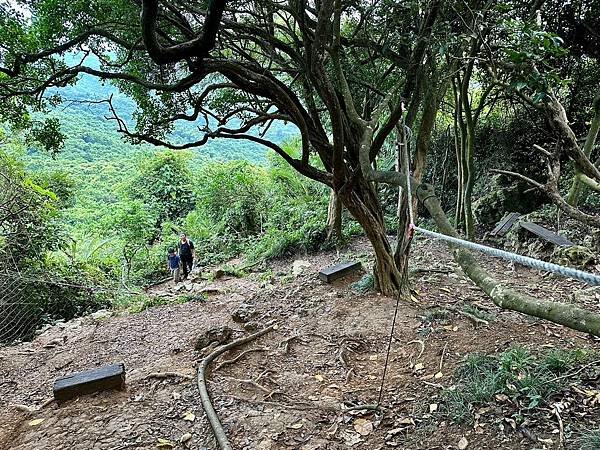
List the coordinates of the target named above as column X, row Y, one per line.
column 558, row 120
column 334, row 218
column 361, row 201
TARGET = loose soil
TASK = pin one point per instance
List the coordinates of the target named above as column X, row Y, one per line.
column 329, row 349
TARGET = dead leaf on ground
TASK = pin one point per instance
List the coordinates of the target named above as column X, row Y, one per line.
column 319, row 378
column 296, row 426
column 164, row 444
column 463, row 443
column 189, row 416
column 501, row 398
column 35, row 422
column 405, row 421
column 363, row 427
column 350, row 438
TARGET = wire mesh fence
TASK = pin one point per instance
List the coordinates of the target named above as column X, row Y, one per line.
column 28, row 303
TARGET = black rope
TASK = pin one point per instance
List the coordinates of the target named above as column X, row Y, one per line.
column 387, row 356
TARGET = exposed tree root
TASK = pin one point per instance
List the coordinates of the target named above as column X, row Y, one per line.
column 422, row 349
column 211, row 414
column 285, row 344
column 240, row 356
column 32, row 409
column 308, row 406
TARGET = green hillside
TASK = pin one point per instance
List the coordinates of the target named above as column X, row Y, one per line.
column 98, row 159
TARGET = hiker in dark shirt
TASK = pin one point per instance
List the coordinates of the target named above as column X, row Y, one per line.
column 186, row 254
column 173, row 264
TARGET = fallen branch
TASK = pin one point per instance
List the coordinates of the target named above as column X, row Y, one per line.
column 211, row 414
column 578, row 371
column 561, row 428
column 422, row 347
column 422, row 270
column 442, row 357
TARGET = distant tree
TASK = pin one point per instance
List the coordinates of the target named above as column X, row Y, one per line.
column 135, row 224
column 164, row 183
column 246, row 65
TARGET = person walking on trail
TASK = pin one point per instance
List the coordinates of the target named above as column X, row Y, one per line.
column 187, row 254
column 173, row 263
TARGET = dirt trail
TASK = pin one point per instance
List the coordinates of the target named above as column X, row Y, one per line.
column 337, row 357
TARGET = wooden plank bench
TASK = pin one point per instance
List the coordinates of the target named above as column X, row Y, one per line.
column 505, row 224
column 90, row 381
column 546, row 234
column 332, row 273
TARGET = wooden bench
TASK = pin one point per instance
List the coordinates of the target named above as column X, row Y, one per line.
column 546, row 234
column 90, row 381
column 332, row 273
column 505, row 224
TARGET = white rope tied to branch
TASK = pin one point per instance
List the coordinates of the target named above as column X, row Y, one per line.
column 534, row 263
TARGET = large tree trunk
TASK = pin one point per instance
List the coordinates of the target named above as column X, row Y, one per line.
column 361, row 201
column 334, row 217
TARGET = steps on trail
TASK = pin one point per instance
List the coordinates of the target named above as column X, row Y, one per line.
column 505, row 224
column 332, row 273
column 95, row 380
column 546, row 234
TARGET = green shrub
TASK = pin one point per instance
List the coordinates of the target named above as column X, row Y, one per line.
column 588, row 440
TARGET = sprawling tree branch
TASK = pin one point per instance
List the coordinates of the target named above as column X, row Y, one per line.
column 198, row 47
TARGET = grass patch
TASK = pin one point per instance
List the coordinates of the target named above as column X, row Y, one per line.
column 588, row 440
column 526, row 379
